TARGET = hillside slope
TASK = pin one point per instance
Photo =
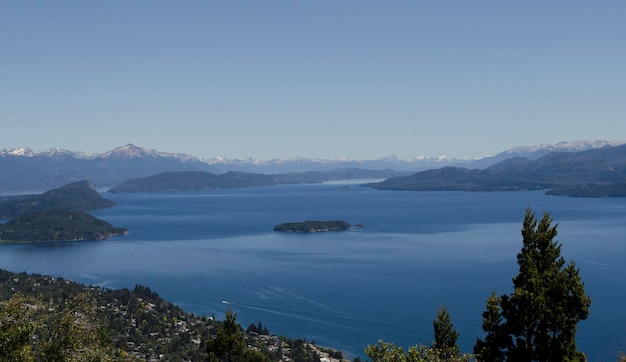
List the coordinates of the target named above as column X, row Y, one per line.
column 79, row 196
column 592, row 173
column 57, row 225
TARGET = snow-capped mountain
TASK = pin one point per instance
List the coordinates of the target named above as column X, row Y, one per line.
column 25, row 169
column 536, row 151
column 132, row 151
column 127, row 151
column 302, row 164
column 22, row 169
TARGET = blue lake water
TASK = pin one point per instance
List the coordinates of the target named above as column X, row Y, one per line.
column 209, row 251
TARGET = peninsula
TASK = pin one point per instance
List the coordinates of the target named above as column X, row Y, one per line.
column 56, row 215
column 57, row 225
column 313, row 226
column 79, row 196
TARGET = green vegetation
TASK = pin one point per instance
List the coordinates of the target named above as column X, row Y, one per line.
column 79, row 196
column 313, row 226
column 17, row 325
column 537, row 322
column 446, row 337
column 444, row 348
column 56, row 215
column 200, row 180
column 46, row 319
column 193, row 180
column 57, row 225
column 229, row 344
column 258, row 328
column 61, row 320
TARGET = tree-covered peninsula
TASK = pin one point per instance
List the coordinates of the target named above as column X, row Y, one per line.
column 201, row 180
column 57, row 225
column 79, row 196
column 192, row 181
column 313, row 226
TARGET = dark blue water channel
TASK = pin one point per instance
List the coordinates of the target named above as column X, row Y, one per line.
column 209, row 251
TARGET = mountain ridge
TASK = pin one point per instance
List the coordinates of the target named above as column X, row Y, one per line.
column 599, row 172
column 132, row 151
column 23, row 169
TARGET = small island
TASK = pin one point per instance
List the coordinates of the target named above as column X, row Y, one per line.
column 313, row 226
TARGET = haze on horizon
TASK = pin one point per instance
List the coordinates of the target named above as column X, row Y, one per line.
column 271, row 79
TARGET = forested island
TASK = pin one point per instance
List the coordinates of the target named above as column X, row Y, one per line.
column 57, row 225
column 56, row 215
column 313, row 226
column 193, row 181
column 80, row 196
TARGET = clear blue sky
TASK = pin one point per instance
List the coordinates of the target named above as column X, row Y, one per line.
column 278, row 79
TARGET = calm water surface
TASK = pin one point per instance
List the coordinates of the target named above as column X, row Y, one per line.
column 209, row 251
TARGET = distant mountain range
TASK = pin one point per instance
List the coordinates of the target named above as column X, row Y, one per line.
column 23, row 169
column 599, row 172
column 537, row 151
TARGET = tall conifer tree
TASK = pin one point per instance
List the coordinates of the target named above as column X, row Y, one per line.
column 537, row 322
column 445, row 336
column 229, row 344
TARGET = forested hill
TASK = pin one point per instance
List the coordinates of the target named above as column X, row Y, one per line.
column 192, row 180
column 79, row 196
column 57, row 225
column 200, row 180
column 593, row 173
column 53, row 319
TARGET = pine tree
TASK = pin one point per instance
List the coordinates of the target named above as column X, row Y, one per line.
column 443, row 349
column 229, row 344
column 537, row 322
column 491, row 348
column 445, row 336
